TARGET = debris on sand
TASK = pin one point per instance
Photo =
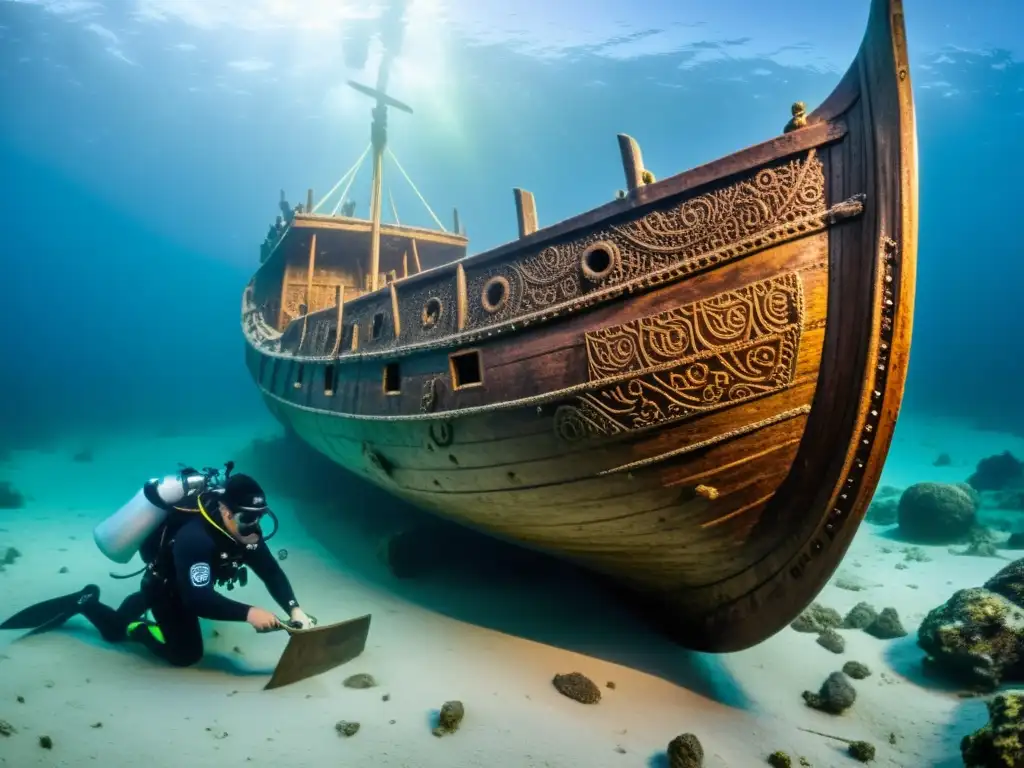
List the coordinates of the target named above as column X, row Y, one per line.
column 6, row 729
column 577, row 687
column 450, row 718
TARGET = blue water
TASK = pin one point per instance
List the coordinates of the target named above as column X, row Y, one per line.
column 143, row 145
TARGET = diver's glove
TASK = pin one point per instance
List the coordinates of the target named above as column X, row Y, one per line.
column 300, row 620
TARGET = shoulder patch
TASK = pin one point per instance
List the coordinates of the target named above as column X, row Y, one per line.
column 199, row 574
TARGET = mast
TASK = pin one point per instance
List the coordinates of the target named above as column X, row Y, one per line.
column 378, row 141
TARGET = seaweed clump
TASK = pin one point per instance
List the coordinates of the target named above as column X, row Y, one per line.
column 1000, row 742
column 577, row 687
column 685, row 751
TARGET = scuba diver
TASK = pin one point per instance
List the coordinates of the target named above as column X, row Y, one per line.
column 194, row 531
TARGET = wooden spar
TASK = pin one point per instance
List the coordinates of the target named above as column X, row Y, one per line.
column 526, row 212
column 379, row 140
column 339, row 303
column 309, row 287
column 632, row 161
column 416, row 257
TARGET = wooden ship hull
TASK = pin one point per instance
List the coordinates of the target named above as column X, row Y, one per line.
column 690, row 390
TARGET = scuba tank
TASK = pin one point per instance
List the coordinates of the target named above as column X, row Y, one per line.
column 120, row 536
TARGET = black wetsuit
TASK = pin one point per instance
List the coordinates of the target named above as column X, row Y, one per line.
column 179, row 588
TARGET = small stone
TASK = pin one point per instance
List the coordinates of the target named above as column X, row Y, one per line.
column 862, row 615
column 835, row 696
column 21, row 699
column 577, row 687
column 817, row 618
column 915, row 555
column 620, row 750
column 780, row 759
column 63, row 569
column 887, row 626
column 46, row 742
column 96, row 725
column 386, row 697
column 861, row 751
column 346, row 728
column 360, row 680
column 832, row 641
column 685, row 751
column 610, row 684
column 450, row 718
column 856, row 670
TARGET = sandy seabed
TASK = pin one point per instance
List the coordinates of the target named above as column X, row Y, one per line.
column 492, row 644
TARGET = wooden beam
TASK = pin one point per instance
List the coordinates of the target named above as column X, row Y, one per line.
column 339, row 304
column 309, row 287
column 632, row 161
column 394, row 311
column 526, row 212
column 416, row 258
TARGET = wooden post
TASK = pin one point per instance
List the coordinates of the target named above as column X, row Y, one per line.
column 526, row 212
column 309, row 287
column 632, row 161
column 309, row 201
column 462, row 307
column 339, row 303
column 394, row 310
column 405, row 264
column 455, row 219
column 416, row 258
column 378, row 169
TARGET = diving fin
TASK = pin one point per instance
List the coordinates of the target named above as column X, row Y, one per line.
column 50, row 614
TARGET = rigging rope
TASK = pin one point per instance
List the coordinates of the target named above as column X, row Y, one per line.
column 422, row 200
column 344, row 192
column 394, row 210
column 351, row 171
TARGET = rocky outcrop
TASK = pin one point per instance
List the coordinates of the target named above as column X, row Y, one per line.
column 936, row 513
column 977, row 636
column 1000, row 742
